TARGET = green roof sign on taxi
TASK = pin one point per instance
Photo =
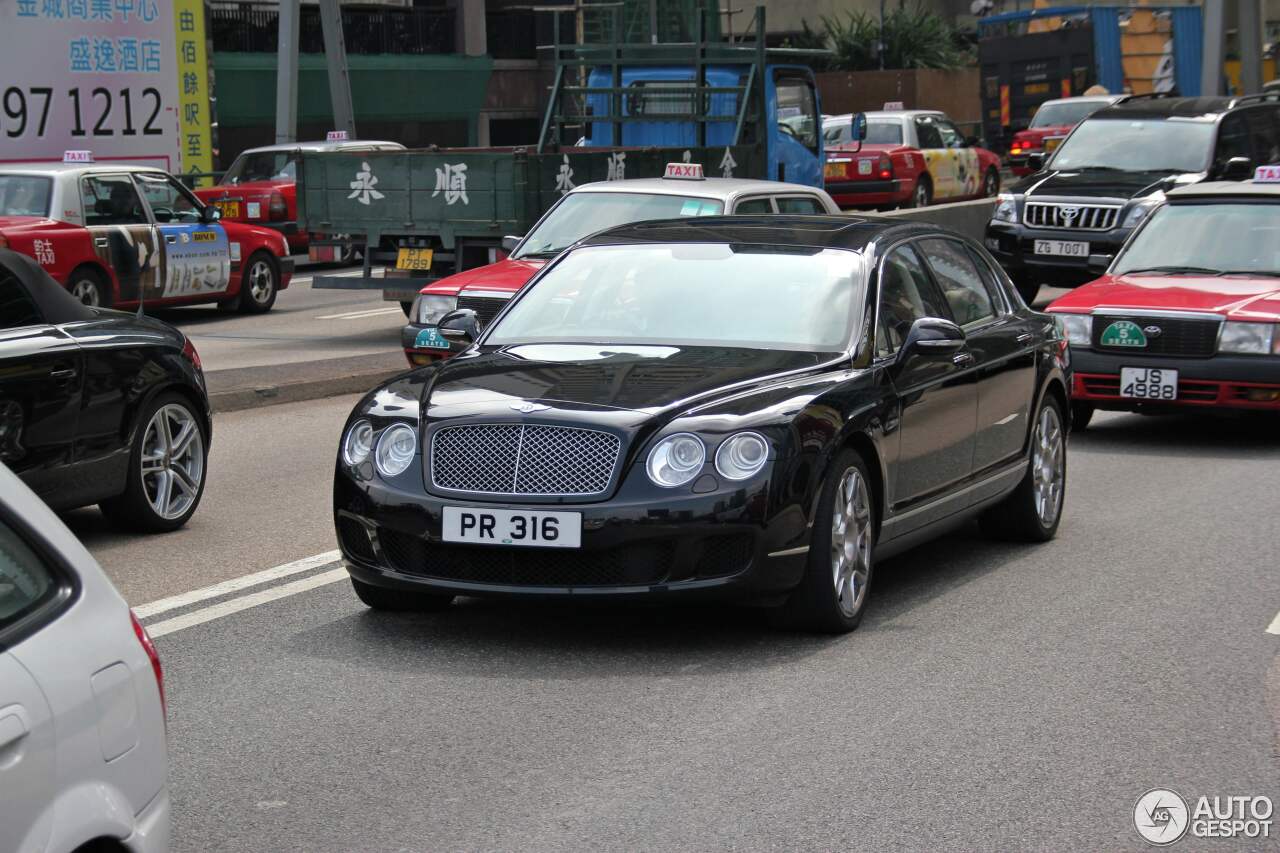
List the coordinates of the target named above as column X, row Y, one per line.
column 1123, row 333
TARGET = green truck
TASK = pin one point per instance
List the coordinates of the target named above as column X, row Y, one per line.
column 616, row 111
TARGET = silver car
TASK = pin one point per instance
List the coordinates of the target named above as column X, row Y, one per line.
column 83, row 756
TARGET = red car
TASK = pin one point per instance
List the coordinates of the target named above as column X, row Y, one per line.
column 909, row 158
column 113, row 234
column 261, row 186
column 1188, row 315
column 1049, row 126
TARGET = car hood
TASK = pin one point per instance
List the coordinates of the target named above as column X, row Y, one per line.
column 15, row 223
column 506, row 275
column 624, row 385
column 1234, row 297
column 248, row 188
column 1099, row 184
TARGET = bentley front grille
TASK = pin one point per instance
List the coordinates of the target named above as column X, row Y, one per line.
column 523, row 459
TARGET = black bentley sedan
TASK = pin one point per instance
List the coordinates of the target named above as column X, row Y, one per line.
column 99, row 406
column 750, row 407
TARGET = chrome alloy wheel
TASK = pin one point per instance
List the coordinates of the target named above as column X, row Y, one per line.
column 86, row 292
column 922, row 194
column 851, row 534
column 262, row 282
column 172, row 461
column 1048, row 466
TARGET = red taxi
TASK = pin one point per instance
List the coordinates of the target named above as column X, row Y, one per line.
column 261, row 187
column 115, row 234
column 908, row 158
column 1049, row 126
column 1188, row 314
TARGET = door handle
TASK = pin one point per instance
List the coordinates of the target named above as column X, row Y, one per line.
column 101, row 242
column 13, row 726
column 62, row 374
column 1025, row 338
column 170, row 238
column 962, row 359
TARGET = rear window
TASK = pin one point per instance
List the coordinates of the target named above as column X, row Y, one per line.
column 1065, row 113
column 262, row 166
column 25, row 195
column 25, row 581
column 884, row 133
column 585, row 213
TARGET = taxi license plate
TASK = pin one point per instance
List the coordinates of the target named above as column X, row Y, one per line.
column 1063, row 248
column 836, row 170
column 229, row 209
column 513, row 527
column 1051, row 144
column 414, row 259
column 1148, row 383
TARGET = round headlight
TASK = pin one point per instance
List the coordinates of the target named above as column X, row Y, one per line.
column 742, row 456
column 358, row 443
column 395, row 450
column 676, row 460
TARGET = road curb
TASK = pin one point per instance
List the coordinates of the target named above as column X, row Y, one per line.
column 251, row 387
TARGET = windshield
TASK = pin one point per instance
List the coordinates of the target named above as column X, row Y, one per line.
column 878, row 133
column 1215, row 238
column 1137, row 145
column 24, row 195
column 262, row 166
column 692, row 294
column 583, row 214
column 1065, row 113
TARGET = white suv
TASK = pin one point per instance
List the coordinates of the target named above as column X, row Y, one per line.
column 83, row 756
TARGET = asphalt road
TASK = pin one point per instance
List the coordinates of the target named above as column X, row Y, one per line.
column 996, row 697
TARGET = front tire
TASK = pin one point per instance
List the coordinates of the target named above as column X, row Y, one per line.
column 1081, row 414
column 832, row 595
column 90, row 287
column 399, row 601
column 167, row 468
column 259, row 283
column 1033, row 510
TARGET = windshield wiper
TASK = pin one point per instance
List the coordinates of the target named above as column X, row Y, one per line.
column 1176, row 270
column 543, row 253
column 1266, row 273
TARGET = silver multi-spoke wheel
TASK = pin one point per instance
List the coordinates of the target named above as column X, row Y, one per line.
column 262, row 281
column 851, row 534
column 86, row 291
column 172, row 461
column 1048, row 465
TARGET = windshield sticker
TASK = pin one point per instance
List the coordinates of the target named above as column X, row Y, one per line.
column 691, row 207
column 1123, row 333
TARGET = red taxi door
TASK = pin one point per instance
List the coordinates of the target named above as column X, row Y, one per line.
column 123, row 237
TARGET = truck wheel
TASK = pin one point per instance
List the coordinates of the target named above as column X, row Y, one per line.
column 259, row 283
column 991, row 184
column 922, row 195
column 89, row 287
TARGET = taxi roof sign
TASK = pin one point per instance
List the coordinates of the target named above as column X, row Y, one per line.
column 77, row 156
column 684, row 171
column 893, row 106
column 336, row 136
column 1267, row 175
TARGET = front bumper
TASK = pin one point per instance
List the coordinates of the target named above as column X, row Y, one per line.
column 1013, row 245
column 721, row 544
column 414, row 336
column 868, row 193
column 1222, row 381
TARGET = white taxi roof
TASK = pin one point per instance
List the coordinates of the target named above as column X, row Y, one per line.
column 75, row 169
column 1219, row 189
column 723, row 189
column 1084, row 99
column 882, row 115
column 323, row 145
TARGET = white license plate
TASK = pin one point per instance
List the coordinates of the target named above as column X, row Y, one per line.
column 513, row 527
column 1149, row 383
column 1064, row 248
column 864, row 167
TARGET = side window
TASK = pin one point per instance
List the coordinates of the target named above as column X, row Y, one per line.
column 906, row 295
column 753, row 206
column 169, row 202
column 16, row 308
column 799, row 204
column 963, row 288
column 798, row 110
column 1233, row 140
column 1264, row 130
column 999, row 294
column 111, row 200
column 951, row 137
column 927, row 130
column 25, row 582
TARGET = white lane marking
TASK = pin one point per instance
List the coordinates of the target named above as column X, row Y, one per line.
column 244, row 602
column 173, row 602
column 1274, row 627
column 1007, row 419
column 357, row 315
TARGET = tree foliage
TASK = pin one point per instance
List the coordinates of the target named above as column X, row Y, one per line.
column 913, row 38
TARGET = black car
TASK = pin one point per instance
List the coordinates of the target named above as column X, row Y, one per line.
column 744, row 407
column 99, row 406
column 1113, row 170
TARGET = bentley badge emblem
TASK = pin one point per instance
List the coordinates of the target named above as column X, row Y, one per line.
column 525, row 407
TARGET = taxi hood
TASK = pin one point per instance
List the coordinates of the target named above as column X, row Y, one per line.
column 506, row 275
column 1236, row 297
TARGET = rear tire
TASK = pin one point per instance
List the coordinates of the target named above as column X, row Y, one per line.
column 991, row 184
column 922, row 195
column 832, row 595
column 399, row 601
column 90, row 287
column 1081, row 414
column 259, row 283
column 1033, row 510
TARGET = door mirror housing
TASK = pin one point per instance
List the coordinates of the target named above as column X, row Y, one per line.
column 858, row 127
column 1237, row 169
column 460, row 325
column 1035, row 160
column 210, row 214
column 1100, row 263
column 972, row 142
column 510, row 242
column 933, row 336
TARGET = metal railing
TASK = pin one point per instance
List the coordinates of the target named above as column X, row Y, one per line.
column 254, row 28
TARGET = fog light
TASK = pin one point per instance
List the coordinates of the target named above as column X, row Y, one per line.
column 1264, row 395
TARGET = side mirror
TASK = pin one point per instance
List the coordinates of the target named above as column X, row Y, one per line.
column 971, row 141
column 858, row 127
column 933, row 336
column 1035, row 161
column 510, row 242
column 1100, row 263
column 1237, row 169
column 210, row 214
column 460, row 325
